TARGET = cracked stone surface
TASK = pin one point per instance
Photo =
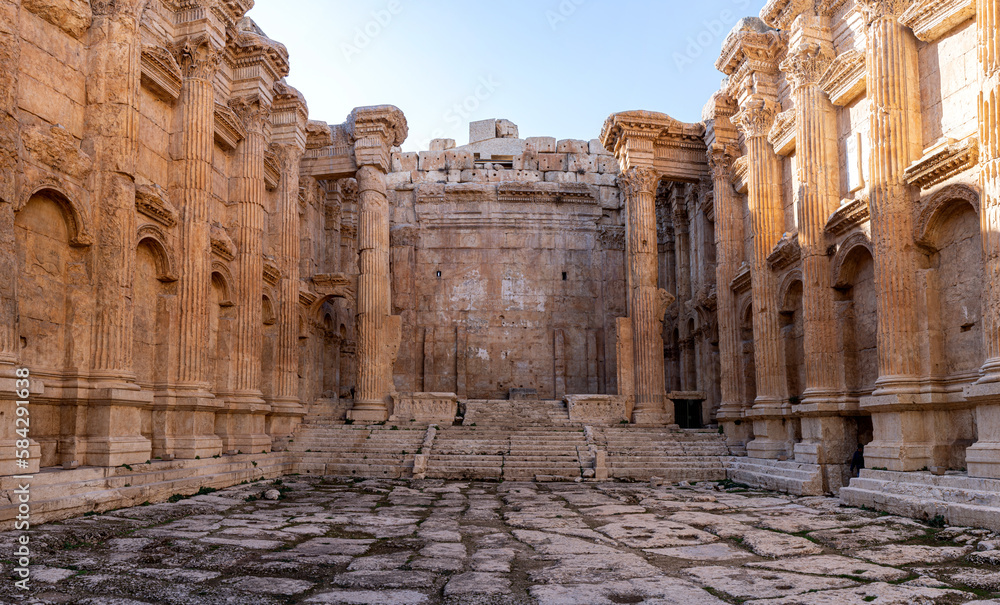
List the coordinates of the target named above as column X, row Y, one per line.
column 331, row 541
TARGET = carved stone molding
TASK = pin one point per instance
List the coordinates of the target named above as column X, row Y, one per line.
column 611, row 237
column 252, row 54
column 151, row 201
column 271, row 272
column 272, row 170
column 741, row 283
column 160, row 73
column 943, row 161
column 786, row 252
column 782, row 134
column 253, row 110
column 844, row 80
column 780, row 14
column 941, row 201
column 850, row 214
column 931, row 19
column 373, row 131
column 750, row 41
column 721, row 159
column 222, row 244
column 741, row 167
column 882, row 9
column 229, row 130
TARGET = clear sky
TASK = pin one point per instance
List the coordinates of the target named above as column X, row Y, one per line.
column 554, row 67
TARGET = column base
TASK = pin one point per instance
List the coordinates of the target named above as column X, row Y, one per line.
column 116, row 451
column 114, row 419
column 285, row 416
column 652, row 418
column 241, row 425
column 826, row 440
column 184, row 427
column 982, row 459
column 8, row 431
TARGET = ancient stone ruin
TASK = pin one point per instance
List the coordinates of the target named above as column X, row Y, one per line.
column 208, row 285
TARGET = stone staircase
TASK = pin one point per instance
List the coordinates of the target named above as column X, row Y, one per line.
column 509, row 453
column 959, row 499
column 779, row 475
column 639, row 453
column 347, row 450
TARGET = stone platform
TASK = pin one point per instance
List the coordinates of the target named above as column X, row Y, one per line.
column 955, row 497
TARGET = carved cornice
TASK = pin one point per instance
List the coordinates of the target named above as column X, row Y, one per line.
column 198, row 57
column 756, row 116
column 782, row 134
column 151, row 200
column 753, row 42
column 741, row 167
column 222, row 244
column 620, row 127
column 741, row 283
column 229, row 129
column 851, row 213
column 873, row 10
column 786, row 252
column 229, row 12
column 931, row 19
column 271, row 272
column 844, row 80
column 253, row 55
column 579, row 193
column 337, row 285
column 373, row 131
column 806, row 64
column 611, row 237
column 780, row 14
column 943, row 161
column 272, row 170
column 160, row 73
column 290, row 114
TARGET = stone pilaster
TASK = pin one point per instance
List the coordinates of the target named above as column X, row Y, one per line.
column 729, row 253
column 374, row 131
column 113, row 416
column 190, row 421
column 826, row 438
column 290, row 118
column 764, row 192
column 241, row 426
column 646, row 302
column 902, row 434
column 983, row 458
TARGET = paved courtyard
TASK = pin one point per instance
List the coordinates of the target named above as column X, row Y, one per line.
column 397, row 542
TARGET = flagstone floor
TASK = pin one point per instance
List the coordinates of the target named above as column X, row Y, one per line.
column 399, row 542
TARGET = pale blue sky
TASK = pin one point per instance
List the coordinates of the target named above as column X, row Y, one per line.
column 554, row 67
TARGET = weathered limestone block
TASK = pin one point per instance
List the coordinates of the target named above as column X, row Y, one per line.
column 458, row 160
column 580, row 163
column 425, row 407
column 441, row 144
column 540, row 144
column 552, row 162
column 572, row 146
column 56, row 147
column 596, row 409
column 71, row 16
column 404, row 161
column 431, row 160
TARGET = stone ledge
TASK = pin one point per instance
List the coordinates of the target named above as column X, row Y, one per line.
column 960, row 499
column 778, row 475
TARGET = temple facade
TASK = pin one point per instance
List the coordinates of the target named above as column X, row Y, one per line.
column 194, row 269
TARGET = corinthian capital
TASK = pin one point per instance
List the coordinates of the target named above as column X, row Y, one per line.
column 637, row 180
column 198, row 58
column 806, row 64
column 374, row 131
column 253, row 110
column 756, row 116
column 720, row 160
column 883, row 9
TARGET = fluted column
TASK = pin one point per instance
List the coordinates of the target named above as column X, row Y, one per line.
column 826, row 437
column 902, row 435
column 729, row 246
column 10, row 59
column 112, row 432
column 374, row 130
column 764, row 196
column 646, row 302
column 983, row 458
column 189, row 422
column 372, row 386
column 249, row 241
column 287, row 377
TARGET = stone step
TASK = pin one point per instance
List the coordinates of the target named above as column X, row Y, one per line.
column 779, row 475
column 960, row 499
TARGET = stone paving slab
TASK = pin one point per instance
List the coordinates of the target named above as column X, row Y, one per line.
column 433, row 542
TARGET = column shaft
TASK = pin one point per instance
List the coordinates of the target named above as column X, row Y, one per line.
column 287, row 388
column 645, row 303
column 10, row 59
column 729, row 243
